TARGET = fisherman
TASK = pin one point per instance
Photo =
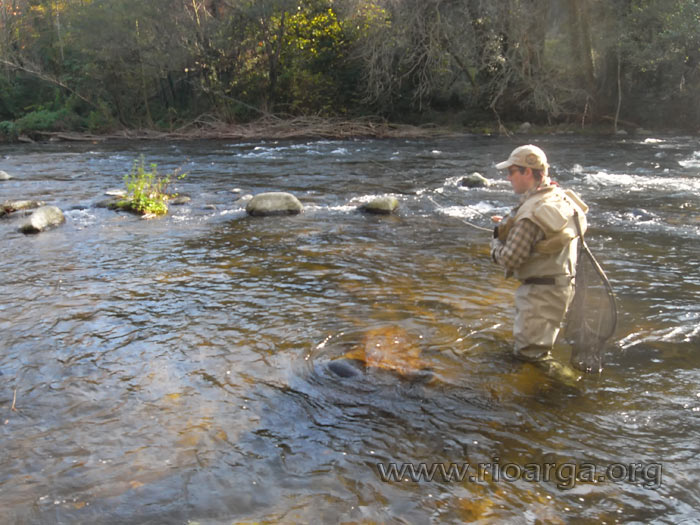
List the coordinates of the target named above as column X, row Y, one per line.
column 537, row 244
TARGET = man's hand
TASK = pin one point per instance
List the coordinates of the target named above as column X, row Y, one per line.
column 496, row 218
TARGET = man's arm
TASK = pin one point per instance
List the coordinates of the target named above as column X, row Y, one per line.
column 518, row 246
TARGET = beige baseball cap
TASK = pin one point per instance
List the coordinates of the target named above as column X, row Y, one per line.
column 527, row 156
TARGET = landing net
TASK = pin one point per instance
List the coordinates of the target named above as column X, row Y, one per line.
column 592, row 315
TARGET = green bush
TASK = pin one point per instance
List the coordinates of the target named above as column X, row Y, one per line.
column 147, row 191
column 8, row 131
column 100, row 121
column 48, row 120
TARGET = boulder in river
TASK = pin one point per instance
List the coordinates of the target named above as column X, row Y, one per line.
column 475, row 180
column 11, row 206
column 381, row 205
column 274, row 203
column 42, row 219
column 179, row 200
column 4, row 175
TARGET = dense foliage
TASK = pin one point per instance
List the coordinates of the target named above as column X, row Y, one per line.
column 147, row 191
column 97, row 65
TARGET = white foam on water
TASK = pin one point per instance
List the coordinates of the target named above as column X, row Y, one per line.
column 452, row 182
column 340, row 208
column 480, row 209
column 240, row 212
column 81, row 217
column 461, row 212
column 603, row 178
column 259, row 153
column 643, row 182
column 691, row 162
column 363, row 199
column 674, row 334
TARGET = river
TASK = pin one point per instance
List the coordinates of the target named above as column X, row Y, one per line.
column 176, row 370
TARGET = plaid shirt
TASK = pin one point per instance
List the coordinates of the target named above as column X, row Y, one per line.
column 519, row 244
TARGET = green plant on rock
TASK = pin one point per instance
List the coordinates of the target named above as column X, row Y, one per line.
column 147, row 191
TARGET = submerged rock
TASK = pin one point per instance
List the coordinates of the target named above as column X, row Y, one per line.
column 274, row 203
column 180, row 200
column 42, row 219
column 344, row 367
column 381, row 205
column 4, row 175
column 11, row 206
column 387, row 348
column 108, row 203
column 475, row 180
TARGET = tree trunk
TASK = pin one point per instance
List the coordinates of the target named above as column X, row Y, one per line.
column 274, row 64
column 581, row 45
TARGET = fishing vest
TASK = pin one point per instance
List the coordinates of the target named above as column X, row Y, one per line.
column 552, row 209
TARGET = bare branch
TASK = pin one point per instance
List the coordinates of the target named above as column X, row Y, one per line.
column 47, row 78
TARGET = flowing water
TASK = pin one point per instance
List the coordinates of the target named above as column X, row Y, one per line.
column 176, row 370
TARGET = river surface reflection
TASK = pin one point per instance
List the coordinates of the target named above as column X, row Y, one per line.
column 176, row 370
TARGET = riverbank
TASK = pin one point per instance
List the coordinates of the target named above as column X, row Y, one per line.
column 267, row 128
column 277, row 128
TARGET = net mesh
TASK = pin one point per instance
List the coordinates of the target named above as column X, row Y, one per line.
column 592, row 315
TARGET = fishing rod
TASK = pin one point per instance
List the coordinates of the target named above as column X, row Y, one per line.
column 490, row 230
column 383, row 165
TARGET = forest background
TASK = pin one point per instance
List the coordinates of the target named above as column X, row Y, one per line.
column 96, row 66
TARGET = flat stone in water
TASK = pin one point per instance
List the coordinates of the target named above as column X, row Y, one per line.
column 381, row 206
column 108, row 203
column 11, row 206
column 274, row 203
column 179, row 200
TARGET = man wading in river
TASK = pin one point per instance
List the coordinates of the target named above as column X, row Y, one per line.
column 537, row 244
